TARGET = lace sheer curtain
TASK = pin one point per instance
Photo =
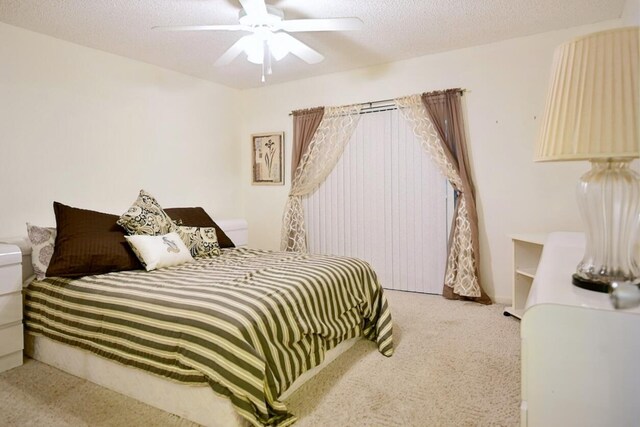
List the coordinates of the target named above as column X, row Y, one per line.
column 461, row 275
column 324, row 151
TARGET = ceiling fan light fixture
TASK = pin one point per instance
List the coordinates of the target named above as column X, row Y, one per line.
column 281, row 53
column 272, row 17
column 255, row 57
column 278, row 49
column 254, row 48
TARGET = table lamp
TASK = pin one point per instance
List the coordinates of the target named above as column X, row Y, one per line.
column 592, row 113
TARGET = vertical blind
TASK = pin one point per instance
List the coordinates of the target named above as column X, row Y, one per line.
column 386, row 203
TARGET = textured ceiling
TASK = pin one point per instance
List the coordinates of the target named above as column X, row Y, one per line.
column 393, row 29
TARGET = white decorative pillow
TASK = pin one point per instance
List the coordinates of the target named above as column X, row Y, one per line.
column 159, row 251
column 147, row 217
column 42, row 243
column 201, row 241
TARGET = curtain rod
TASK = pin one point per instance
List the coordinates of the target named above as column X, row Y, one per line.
column 390, row 102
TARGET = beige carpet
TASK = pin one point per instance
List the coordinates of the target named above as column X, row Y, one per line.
column 456, row 364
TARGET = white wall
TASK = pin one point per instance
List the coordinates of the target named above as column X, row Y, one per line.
column 631, row 13
column 90, row 129
column 507, row 85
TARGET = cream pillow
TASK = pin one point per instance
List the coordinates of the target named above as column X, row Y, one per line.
column 159, row 251
column 42, row 243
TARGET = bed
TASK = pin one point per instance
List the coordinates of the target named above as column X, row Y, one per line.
column 273, row 319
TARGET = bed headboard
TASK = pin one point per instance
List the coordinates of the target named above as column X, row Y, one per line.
column 236, row 229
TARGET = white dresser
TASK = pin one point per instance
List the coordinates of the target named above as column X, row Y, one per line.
column 580, row 356
column 11, row 336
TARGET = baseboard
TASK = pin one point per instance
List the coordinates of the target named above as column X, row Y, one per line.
column 502, row 300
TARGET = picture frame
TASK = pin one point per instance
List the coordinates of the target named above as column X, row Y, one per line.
column 267, row 154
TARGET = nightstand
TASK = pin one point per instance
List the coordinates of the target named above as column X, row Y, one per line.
column 11, row 335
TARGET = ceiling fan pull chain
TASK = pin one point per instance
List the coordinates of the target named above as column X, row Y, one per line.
column 265, row 53
column 266, row 58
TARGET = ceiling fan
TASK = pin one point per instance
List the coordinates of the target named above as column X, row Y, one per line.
column 269, row 36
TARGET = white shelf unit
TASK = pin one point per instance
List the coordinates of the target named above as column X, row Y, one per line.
column 11, row 337
column 527, row 249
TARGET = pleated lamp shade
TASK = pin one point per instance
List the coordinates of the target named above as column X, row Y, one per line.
column 592, row 109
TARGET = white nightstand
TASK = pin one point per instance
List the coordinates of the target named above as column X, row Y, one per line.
column 11, row 336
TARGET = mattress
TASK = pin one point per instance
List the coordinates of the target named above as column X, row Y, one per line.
column 199, row 404
column 246, row 324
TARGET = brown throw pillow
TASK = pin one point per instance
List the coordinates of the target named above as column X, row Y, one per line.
column 87, row 243
column 198, row 217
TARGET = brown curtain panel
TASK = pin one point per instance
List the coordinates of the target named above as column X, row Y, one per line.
column 445, row 109
column 305, row 124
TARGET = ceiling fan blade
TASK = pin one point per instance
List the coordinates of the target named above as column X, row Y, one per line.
column 329, row 24
column 254, row 7
column 236, row 49
column 298, row 48
column 203, row 28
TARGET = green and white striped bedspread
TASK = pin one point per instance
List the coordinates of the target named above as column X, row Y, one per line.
column 248, row 322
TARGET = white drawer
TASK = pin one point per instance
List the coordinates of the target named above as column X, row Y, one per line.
column 11, row 339
column 10, row 278
column 10, row 308
column 10, row 361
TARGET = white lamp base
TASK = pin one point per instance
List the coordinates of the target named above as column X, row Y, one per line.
column 609, row 201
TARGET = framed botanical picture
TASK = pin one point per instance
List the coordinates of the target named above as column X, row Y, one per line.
column 268, row 158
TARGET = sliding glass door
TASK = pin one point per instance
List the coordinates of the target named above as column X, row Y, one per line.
column 386, row 203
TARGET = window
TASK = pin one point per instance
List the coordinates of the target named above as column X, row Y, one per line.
column 386, row 203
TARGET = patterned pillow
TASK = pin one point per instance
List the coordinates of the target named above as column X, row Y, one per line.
column 159, row 251
column 146, row 217
column 198, row 217
column 42, row 243
column 201, row 241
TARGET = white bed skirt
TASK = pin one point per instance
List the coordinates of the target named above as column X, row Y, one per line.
column 196, row 403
